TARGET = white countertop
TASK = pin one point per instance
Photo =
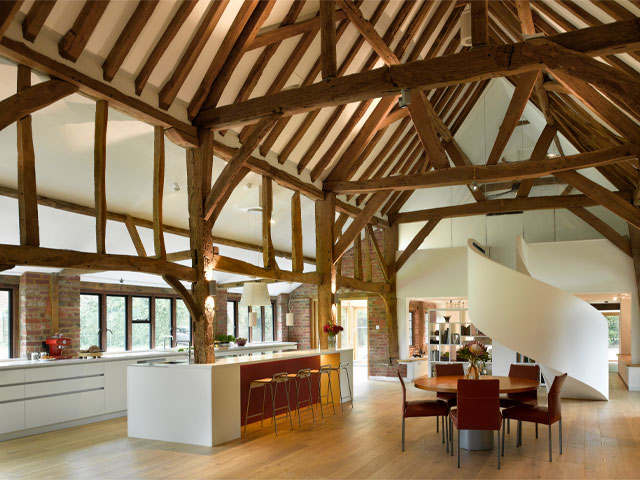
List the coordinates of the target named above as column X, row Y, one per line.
column 107, row 357
column 249, row 359
column 255, row 347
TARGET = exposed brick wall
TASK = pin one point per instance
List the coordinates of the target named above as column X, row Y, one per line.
column 419, row 340
column 282, row 307
column 35, row 310
column 346, row 268
column 301, row 309
column 379, row 340
column 220, row 326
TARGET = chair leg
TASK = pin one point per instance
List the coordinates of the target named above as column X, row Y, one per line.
column 560, row 435
column 264, row 399
column 550, row 443
column 451, row 434
column 536, row 431
column 437, row 424
column 443, row 432
column 445, row 425
column 403, row 433
column 458, row 448
column 519, row 426
column 246, row 415
column 320, row 394
column 509, row 426
column 498, row 435
column 298, row 400
column 503, row 425
column 331, row 393
column 274, row 395
column 349, row 384
column 289, row 406
column 313, row 415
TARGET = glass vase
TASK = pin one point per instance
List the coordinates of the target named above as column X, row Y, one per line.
column 473, row 372
column 332, row 342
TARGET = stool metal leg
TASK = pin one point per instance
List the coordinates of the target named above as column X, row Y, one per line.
column 264, row 398
column 274, row 396
column 246, row 415
column 560, row 435
column 298, row 400
column 289, row 407
column 310, row 406
column 331, row 393
column 503, row 422
column 320, row 394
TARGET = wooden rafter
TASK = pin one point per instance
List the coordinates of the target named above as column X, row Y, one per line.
column 135, row 237
column 206, row 26
column 34, row 21
column 127, row 38
column 378, row 252
column 539, row 153
column 296, row 234
column 158, row 191
column 328, row 38
column 479, row 24
column 268, row 254
column 357, row 258
column 415, row 243
column 500, row 206
column 73, row 42
column 232, row 265
column 8, row 11
column 99, row 173
column 487, row 62
column 603, row 229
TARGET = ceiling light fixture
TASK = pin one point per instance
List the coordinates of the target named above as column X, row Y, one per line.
column 474, row 186
column 176, row 187
column 465, row 27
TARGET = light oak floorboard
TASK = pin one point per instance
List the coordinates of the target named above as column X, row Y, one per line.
column 601, row 440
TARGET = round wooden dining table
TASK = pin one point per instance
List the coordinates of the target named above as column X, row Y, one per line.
column 475, row 439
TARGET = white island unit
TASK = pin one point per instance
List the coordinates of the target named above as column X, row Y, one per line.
column 205, row 404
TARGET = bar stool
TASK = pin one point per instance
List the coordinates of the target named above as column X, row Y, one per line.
column 304, row 373
column 273, row 382
column 343, row 366
column 324, row 370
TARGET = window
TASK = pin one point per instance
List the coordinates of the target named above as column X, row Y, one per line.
column 90, row 321
column 163, row 314
column 269, row 313
column 141, row 323
column 613, row 322
column 116, row 323
column 231, row 318
column 412, row 316
column 6, row 324
column 243, row 323
column 183, row 323
column 265, row 329
column 256, row 332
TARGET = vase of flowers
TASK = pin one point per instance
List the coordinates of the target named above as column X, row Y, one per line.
column 332, row 330
column 477, row 355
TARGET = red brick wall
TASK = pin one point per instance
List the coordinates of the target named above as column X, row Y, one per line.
column 220, row 326
column 301, row 303
column 281, row 331
column 379, row 365
column 35, row 310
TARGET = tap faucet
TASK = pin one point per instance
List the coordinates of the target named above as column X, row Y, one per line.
column 164, row 342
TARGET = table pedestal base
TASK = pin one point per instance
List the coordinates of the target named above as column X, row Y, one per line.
column 476, row 439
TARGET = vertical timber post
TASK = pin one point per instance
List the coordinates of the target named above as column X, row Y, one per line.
column 390, row 300
column 325, row 217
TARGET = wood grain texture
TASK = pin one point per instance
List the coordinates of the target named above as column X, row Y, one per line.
column 449, row 384
column 73, row 42
column 539, row 154
column 328, row 38
column 99, row 173
column 415, row 243
column 8, row 10
column 357, row 258
column 158, row 192
column 296, row 234
column 268, row 255
column 135, row 238
column 325, row 218
column 382, row 264
column 34, row 21
column 233, row 265
column 479, row 22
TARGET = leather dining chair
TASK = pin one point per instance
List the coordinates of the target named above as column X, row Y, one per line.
column 478, row 409
column 545, row 415
column 531, row 372
column 448, row 370
column 421, row 408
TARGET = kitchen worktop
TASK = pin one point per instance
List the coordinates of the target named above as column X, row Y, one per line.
column 107, row 357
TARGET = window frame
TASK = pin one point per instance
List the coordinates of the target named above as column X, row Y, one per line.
column 100, row 326
column 151, row 321
column 14, row 334
column 236, row 307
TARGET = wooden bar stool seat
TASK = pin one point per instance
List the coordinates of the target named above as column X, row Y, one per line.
column 273, row 382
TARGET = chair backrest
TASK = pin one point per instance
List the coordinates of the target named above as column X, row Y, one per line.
column 531, row 372
column 553, row 402
column 404, row 391
column 449, row 370
column 479, row 405
column 304, row 373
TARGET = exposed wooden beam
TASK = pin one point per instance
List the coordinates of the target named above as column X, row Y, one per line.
column 479, row 24
column 127, row 38
column 268, row 255
column 539, row 154
column 158, row 191
column 499, row 206
column 135, row 238
column 603, row 229
column 232, row 265
column 296, row 234
column 325, row 214
column 481, row 63
column 8, row 10
column 390, row 298
column 194, row 310
column 368, row 268
column 28, row 255
column 73, row 42
column 27, row 197
column 99, row 173
column 634, row 236
column 225, row 182
column 328, row 38
column 32, row 99
column 602, row 196
column 488, row 173
column 184, row 9
column 248, row 33
column 232, row 34
column 378, row 252
column 353, row 230
column 241, row 283
column 20, row 53
column 357, row 258
column 33, row 22
column 379, row 288
column 515, row 109
column 415, row 243
column 199, row 39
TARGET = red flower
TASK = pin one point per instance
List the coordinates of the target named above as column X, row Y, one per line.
column 332, row 328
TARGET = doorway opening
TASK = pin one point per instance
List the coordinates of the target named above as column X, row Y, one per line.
column 353, row 317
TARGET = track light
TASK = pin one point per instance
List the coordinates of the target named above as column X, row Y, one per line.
column 474, row 186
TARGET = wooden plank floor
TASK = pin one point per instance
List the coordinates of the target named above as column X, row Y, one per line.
column 601, row 440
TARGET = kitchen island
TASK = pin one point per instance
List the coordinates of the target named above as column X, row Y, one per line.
column 206, row 404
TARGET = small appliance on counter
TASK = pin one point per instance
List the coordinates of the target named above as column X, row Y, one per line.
column 56, row 344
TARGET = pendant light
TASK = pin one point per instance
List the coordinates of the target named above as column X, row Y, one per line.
column 465, row 27
column 254, row 294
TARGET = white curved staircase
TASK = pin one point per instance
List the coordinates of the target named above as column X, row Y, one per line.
column 562, row 332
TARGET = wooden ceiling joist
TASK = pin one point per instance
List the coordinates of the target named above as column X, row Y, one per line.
column 232, row 265
column 603, row 229
column 479, row 64
column 539, row 154
column 99, row 173
column 328, row 38
column 34, row 21
column 73, row 42
column 415, row 243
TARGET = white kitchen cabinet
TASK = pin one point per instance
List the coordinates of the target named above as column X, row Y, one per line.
column 115, row 386
column 58, row 387
column 9, row 377
column 63, row 408
column 11, row 417
column 63, row 371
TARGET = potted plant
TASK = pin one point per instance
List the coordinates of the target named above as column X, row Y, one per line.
column 241, row 342
column 222, row 341
column 477, row 355
column 332, row 330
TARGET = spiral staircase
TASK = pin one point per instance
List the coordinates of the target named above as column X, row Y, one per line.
column 560, row 331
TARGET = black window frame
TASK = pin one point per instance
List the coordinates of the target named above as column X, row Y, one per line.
column 13, row 348
column 236, row 307
column 100, row 325
column 150, row 320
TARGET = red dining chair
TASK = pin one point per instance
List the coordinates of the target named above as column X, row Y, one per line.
column 531, row 372
column 421, row 408
column 448, row 370
column 545, row 415
column 478, row 409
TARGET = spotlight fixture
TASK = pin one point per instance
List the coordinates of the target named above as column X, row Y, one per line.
column 474, row 186
column 404, row 99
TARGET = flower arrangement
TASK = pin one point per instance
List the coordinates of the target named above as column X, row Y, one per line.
column 332, row 329
column 476, row 354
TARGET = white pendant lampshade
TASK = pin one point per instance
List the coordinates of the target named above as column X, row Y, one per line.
column 253, row 319
column 255, row 294
column 465, row 27
column 289, row 319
